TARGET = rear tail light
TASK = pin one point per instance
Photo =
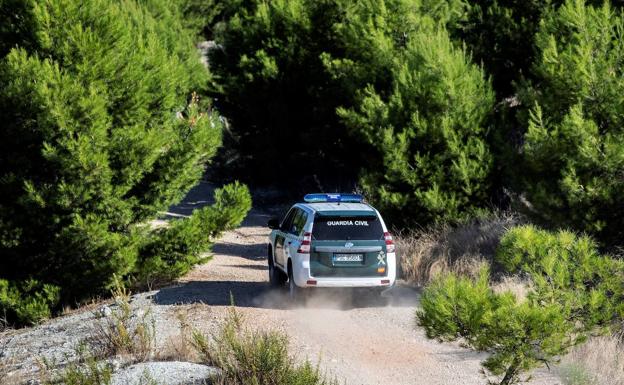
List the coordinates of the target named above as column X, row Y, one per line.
column 389, row 242
column 304, row 247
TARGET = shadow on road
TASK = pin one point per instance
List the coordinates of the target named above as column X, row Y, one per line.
column 216, row 293
column 254, row 252
column 251, row 267
column 261, row 295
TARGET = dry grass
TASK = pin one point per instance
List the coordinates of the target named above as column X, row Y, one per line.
column 462, row 249
column 88, row 370
column 600, row 361
column 4, row 325
column 14, row 378
column 519, row 287
column 180, row 347
column 88, row 305
column 124, row 332
column 248, row 356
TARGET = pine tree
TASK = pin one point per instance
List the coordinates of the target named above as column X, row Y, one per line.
column 569, row 269
column 99, row 133
column 518, row 335
column 272, row 85
column 425, row 121
column 573, row 292
column 574, row 145
column 284, row 67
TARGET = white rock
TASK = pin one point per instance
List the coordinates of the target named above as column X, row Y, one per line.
column 105, row 311
column 164, row 373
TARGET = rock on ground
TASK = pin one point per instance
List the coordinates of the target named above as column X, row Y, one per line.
column 164, row 373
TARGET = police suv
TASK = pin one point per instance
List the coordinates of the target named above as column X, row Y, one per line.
column 331, row 240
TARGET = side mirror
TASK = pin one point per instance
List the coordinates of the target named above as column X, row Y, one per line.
column 273, row 223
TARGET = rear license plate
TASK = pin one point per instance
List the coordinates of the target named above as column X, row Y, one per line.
column 348, row 257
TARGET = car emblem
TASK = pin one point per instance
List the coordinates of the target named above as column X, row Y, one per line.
column 381, row 259
column 348, row 245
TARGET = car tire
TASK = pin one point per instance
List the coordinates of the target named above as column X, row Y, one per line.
column 296, row 295
column 276, row 277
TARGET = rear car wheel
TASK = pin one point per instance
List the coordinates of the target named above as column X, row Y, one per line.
column 295, row 293
column 277, row 278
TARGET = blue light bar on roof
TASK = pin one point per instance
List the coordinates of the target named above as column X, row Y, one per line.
column 317, row 198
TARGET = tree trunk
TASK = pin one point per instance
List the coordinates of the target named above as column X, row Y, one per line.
column 510, row 373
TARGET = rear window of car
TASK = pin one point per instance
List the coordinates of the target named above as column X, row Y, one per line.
column 328, row 227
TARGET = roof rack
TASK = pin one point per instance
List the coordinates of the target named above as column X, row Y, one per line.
column 322, row 197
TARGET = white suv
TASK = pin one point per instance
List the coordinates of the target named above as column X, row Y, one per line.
column 331, row 240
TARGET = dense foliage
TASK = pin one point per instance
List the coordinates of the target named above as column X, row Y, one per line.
column 337, row 87
column 201, row 16
column 574, row 145
column 499, row 33
column 428, row 126
column 574, row 291
column 99, row 133
column 276, row 93
column 389, row 93
column 27, row 302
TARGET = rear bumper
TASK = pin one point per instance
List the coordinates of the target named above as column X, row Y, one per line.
column 350, row 282
column 302, row 276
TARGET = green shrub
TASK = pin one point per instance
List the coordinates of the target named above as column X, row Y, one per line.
column 174, row 250
column 27, row 302
column 569, row 269
column 248, row 357
column 99, row 131
column 519, row 336
column 574, row 292
column 523, row 248
column 573, row 152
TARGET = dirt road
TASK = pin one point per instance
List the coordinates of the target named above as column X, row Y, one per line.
column 355, row 340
